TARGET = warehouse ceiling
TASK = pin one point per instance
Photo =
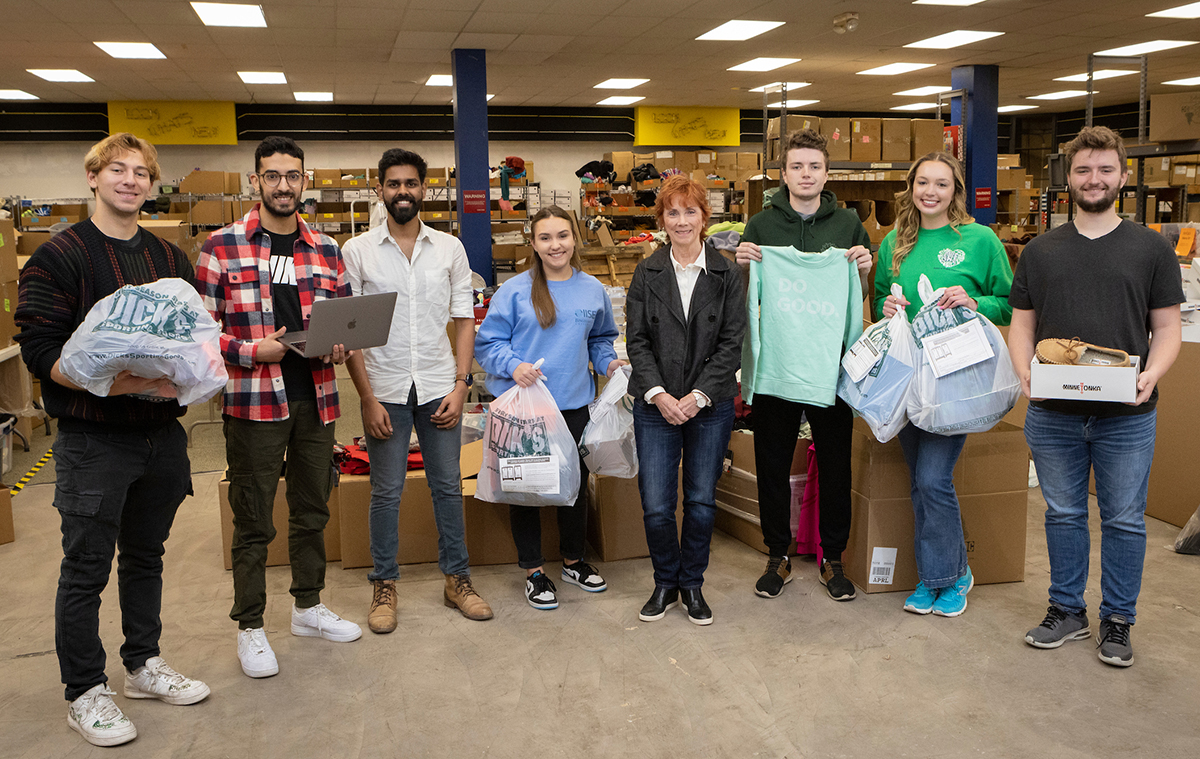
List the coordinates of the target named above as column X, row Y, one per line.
column 552, row 52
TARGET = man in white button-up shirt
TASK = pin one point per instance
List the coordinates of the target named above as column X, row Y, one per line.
column 414, row 380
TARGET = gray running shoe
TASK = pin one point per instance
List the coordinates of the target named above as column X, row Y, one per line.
column 1057, row 628
column 1113, row 641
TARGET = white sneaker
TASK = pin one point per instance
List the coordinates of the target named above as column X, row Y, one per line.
column 100, row 721
column 319, row 622
column 157, row 680
column 255, row 654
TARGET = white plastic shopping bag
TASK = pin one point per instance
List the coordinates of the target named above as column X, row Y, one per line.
column 607, row 445
column 152, row 330
column 877, row 372
column 967, row 399
column 529, row 455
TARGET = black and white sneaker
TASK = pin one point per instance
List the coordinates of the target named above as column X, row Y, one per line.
column 540, row 591
column 584, row 575
column 1113, row 641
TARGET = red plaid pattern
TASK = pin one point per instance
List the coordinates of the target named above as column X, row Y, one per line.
column 234, row 278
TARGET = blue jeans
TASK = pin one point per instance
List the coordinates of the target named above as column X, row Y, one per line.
column 115, row 490
column 389, row 466
column 1119, row 450
column 679, row 562
column 938, row 542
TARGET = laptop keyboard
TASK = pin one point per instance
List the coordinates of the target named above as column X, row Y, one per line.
column 300, row 345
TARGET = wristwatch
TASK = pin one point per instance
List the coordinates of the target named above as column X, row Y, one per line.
column 701, row 401
column 466, row 379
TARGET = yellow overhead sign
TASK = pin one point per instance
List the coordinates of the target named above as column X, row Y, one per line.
column 175, row 122
column 687, row 125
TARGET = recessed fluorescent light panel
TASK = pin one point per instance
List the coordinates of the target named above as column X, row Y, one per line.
column 61, row 75
column 1143, row 48
column 956, row 38
column 921, row 92
column 740, row 30
column 130, row 49
column 793, row 104
column 16, row 95
column 1189, row 82
column 958, row 3
column 1062, row 95
column 230, row 14
column 263, row 77
column 914, row 107
column 440, row 80
column 314, row 97
column 1191, row 10
column 763, row 64
column 619, row 84
column 774, row 86
column 1096, row 75
column 620, row 100
column 893, row 69
column 1014, row 108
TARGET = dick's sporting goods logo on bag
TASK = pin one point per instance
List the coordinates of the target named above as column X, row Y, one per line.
column 950, row 257
column 137, row 309
column 1083, row 388
column 511, row 437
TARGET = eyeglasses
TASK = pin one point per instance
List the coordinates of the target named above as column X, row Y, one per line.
column 271, row 178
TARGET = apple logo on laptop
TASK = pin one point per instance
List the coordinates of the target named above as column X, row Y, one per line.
column 352, row 324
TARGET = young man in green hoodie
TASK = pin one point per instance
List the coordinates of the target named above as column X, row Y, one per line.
column 805, row 216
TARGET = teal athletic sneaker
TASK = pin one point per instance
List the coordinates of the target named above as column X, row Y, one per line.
column 952, row 601
column 921, row 601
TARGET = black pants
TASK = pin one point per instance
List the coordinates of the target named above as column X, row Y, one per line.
column 572, row 520
column 776, row 425
column 114, row 491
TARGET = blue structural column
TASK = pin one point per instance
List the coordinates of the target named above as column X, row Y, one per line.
column 982, row 84
column 469, row 68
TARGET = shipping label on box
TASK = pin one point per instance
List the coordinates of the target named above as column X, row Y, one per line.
column 1084, row 383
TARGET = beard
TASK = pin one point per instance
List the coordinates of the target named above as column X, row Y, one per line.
column 279, row 202
column 1095, row 206
column 403, row 215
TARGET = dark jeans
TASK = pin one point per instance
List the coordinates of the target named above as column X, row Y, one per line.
column 679, row 562
column 114, row 491
column 255, row 453
column 572, row 520
column 776, row 425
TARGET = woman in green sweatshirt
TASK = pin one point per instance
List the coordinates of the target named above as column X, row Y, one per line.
column 935, row 236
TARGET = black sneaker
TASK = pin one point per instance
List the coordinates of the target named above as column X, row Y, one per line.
column 1113, row 641
column 584, row 575
column 697, row 607
column 833, row 577
column 777, row 574
column 1057, row 628
column 660, row 601
column 540, row 591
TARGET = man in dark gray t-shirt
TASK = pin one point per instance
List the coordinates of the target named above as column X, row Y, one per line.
column 1115, row 284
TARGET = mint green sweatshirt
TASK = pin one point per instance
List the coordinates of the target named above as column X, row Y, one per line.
column 971, row 257
column 804, row 309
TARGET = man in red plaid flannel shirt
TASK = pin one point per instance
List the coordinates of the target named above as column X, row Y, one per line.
column 259, row 277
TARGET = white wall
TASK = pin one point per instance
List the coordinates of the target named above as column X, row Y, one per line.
column 55, row 169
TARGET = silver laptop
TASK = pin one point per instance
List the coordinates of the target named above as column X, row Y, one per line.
column 361, row 321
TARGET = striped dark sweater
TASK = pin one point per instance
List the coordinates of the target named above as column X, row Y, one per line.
column 60, row 283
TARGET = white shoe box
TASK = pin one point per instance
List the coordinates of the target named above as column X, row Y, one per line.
column 1085, row 383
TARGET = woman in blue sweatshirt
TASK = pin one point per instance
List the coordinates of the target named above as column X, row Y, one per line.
column 557, row 313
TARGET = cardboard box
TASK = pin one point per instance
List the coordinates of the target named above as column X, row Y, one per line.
column 1173, row 492
column 325, row 179
column 865, row 136
column 837, row 132
column 1091, row 383
column 1175, row 117
column 896, row 136
column 622, row 161
column 233, row 183
column 738, row 513
column 706, row 160
column 8, row 305
column 1182, row 174
column 1008, row 161
column 437, row 177
column 277, row 550
column 489, row 531
column 203, row 212
column 991, row 480
column 616, row 526
column 357, row 178
column 1013, row 179
column 9, row 270
column 203, row 183
column 685, row 161
column 28, row 242
column 1156, row 172
column 927, row 137
column 7, row 532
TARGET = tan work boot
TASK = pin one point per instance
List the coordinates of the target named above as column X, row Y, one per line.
column 462, row 596
column 382, row 617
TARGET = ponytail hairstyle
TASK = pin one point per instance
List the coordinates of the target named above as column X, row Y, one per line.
column 539, row 293
column 908, row 217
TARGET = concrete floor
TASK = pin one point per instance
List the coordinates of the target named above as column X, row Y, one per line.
column 799, row 676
